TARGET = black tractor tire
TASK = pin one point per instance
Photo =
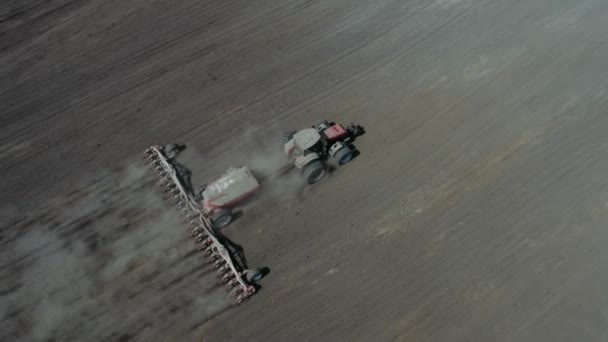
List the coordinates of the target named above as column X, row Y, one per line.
column 253, row 275
column 221, row 218
column 344, row 155
column 286, row 137
column 314, row 171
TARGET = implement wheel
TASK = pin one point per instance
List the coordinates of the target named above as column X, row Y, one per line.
column 221, row 218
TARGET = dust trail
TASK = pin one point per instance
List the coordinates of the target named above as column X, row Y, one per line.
column 260, row 149
column 263, row 151
column 108, row 262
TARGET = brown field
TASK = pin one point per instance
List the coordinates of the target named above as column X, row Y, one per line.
column 476, row 210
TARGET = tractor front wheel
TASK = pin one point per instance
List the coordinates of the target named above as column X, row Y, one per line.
column 344, row 155
column 314, row 172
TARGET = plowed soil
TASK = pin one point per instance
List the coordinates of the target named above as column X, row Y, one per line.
column 476, row 210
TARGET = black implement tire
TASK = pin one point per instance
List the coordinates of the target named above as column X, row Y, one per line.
column 221, row 218
column 344, row 155
column 253, row 275
column 313, row 172
column 286, row 137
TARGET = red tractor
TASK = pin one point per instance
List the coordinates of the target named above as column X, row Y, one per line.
column 310, row 149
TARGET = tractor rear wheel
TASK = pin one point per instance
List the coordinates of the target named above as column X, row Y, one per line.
column 221, row 218
column 344, row 155
column 313, row 172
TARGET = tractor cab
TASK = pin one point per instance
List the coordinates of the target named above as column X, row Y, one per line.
column 304, row 141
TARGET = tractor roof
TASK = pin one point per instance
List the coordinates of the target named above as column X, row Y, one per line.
column 306, row 138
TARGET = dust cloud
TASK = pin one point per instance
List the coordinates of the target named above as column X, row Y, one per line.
column 110, row 261
column 259, row 149
column 263, row 151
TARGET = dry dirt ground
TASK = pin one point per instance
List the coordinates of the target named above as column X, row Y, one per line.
column 476, row 211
